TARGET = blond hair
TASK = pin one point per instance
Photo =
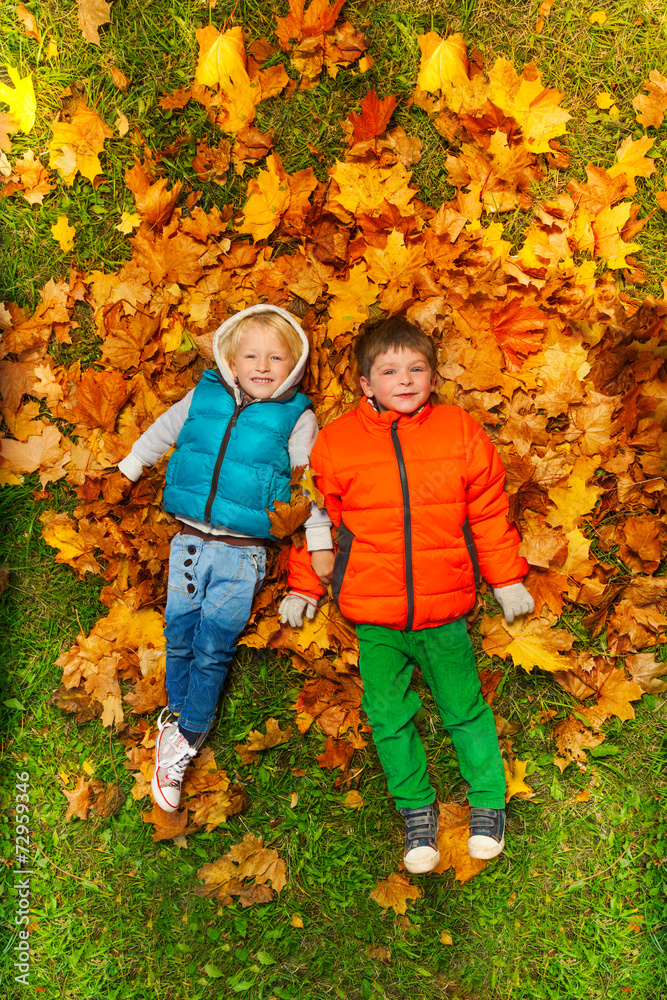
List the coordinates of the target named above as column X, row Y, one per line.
column 284, row 331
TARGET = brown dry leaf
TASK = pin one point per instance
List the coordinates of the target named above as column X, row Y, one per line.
column 394, row 892
column 101, row 396
column 258, row 741
column 79, row 799
column 92, row 15
column 167, row 825
column 110, row 801
column 29, row 22
column 336, row 753
column 645, row 670
column 572, row 738
column 651, row 108
column 118, row 78
column 453, row 834
column 616, row 693
column 225, row 877
column 287, row 517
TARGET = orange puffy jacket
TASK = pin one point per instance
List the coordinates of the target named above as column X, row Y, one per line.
column 421, row 507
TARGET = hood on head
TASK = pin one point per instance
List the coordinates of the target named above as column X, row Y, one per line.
column 224, row 332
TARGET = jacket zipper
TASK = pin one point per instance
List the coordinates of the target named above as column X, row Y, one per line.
column 407, row 525
column 218, row 462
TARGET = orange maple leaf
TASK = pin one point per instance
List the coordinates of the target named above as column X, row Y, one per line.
column 374, row 117
column 394, row 892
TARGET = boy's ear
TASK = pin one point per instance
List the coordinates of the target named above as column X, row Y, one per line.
column 232, row 366
column 366, row 386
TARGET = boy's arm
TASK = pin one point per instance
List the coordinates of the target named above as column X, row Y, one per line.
column 496, row 540
column 305, row 587
column 157, row 440
column 301, row 441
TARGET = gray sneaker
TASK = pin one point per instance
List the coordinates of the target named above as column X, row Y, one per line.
column 487, row 832
column 173, row 753
column 421, row 853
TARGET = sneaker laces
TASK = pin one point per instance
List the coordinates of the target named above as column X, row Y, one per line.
column 177, row 769
column 165, row 711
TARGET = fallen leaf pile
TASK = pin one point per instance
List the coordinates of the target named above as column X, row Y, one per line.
column 539, row 342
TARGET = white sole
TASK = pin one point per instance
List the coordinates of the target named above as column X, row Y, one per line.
column 486, row 853
column 422, row 867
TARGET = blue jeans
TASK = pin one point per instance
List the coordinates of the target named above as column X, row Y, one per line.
column 210, row 593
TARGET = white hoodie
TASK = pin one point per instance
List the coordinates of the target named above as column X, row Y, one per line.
column 163, row 434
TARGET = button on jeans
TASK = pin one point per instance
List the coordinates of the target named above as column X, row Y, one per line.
column 210, row 593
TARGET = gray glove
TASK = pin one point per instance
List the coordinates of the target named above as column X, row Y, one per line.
column 293, row 606
column 514, row 600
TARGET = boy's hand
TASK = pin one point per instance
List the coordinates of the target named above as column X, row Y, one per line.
column 322, row 562
column 514, row 600
column 293, row 606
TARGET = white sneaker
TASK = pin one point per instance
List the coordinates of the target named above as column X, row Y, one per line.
column 173, row 753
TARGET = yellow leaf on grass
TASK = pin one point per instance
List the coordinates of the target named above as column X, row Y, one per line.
column 394, row 892
column 297, row 920
column 631, row 162
column 539, row 645
column 353, row 800
column 128, row 222
column 598, row 17
column 222, row 63
column 75, row 145
column 268, row 198
column 20, row 98
column 515, row 784
column 604, row 100
column 63, row 233
column 446, row 938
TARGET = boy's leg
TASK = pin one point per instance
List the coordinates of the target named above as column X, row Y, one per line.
column 181, row 619
column 446, row 657
column 386, row 669
column 225, row 579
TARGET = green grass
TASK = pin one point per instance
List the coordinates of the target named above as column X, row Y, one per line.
column 557, row 915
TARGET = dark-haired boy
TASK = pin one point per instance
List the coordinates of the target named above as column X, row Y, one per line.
column 418, row 493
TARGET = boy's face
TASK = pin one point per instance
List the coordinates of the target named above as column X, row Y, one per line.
column 400, row 380
column 261, row 363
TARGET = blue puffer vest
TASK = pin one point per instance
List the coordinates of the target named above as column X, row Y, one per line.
column 231, row 461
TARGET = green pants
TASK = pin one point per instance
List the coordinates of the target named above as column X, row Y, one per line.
column 447, row 661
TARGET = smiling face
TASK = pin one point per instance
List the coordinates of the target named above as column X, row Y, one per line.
column 261, row 362
column 400, row 380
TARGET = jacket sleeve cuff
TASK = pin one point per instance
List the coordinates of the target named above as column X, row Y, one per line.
column 132, row 467
column 318, row 538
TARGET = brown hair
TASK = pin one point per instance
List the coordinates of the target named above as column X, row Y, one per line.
column 395, row 333
column 283, row 330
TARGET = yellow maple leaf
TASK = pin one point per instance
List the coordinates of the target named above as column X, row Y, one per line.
column 363, row 187
column 20, row 98
column 444, row 67
column 75, row 145
column 128, row 222
column 604, row 100
column 631, row 162
column 63, row 233
column 597, row 17
column 222, row 63
column 539, row 645
column 571, row 502
column 607, row 226
column 350, row 301
column 535, row 108
column 268, row 198
column 515, row 783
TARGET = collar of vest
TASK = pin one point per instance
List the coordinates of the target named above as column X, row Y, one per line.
column 381, row 422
